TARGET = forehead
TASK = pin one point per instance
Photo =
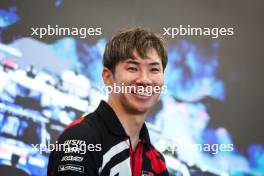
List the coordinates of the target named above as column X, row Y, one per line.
column 150, row 56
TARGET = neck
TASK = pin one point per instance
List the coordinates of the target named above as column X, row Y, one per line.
column 132, row 123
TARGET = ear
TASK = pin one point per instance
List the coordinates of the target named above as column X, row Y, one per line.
column 107, row 76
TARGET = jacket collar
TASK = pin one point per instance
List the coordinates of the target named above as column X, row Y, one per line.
column 113, row 124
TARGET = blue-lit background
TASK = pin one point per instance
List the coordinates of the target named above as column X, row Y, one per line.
column 46, row 85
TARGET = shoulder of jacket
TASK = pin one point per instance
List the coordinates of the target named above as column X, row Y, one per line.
column 82, row 128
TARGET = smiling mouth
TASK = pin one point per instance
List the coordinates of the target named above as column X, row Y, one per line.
column 145, row 94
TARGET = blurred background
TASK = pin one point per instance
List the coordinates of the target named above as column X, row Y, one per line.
column 215, row 85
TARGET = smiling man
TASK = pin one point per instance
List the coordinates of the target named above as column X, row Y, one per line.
column 115, row 137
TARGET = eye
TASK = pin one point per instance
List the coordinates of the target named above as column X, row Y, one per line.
column 155, row 70
column 132, row 69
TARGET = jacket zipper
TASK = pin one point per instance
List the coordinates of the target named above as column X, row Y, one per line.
column 133, row 155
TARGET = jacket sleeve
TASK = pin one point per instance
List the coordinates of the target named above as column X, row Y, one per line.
column 76, row 153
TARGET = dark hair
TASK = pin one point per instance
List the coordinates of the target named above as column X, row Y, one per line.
column 122, row 45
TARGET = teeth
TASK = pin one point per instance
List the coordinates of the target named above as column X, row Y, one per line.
column 148, row 94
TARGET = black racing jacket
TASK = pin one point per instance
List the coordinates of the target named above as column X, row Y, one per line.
column 97, row 145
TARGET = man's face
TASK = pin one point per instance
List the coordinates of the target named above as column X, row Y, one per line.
column 142, row 74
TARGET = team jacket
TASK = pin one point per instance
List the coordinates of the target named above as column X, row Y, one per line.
column 97, row 145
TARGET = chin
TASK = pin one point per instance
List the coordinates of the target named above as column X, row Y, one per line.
column 139, row 107
column 142, row 110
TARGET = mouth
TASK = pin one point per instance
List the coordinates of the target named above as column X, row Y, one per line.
column 144, row 94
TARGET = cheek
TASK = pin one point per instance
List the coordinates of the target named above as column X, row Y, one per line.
column 124, row 77
column 158, row 80
column 119, row 79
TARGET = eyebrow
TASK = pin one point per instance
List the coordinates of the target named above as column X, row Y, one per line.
column 154, row 63
column 130, row 61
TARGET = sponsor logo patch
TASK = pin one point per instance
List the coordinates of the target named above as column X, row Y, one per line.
column 72, row 158
column 71, row 167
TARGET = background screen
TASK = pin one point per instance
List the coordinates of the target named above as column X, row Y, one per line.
column 215, row 85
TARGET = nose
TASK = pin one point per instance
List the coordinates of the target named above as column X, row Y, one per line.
column 143, row 78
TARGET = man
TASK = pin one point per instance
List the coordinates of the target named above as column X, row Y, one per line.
column 114, row 140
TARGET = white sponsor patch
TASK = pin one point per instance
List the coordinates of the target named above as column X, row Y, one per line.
column 76, row 149
column 72, row 158
column 71, row 167
column 75, row 142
